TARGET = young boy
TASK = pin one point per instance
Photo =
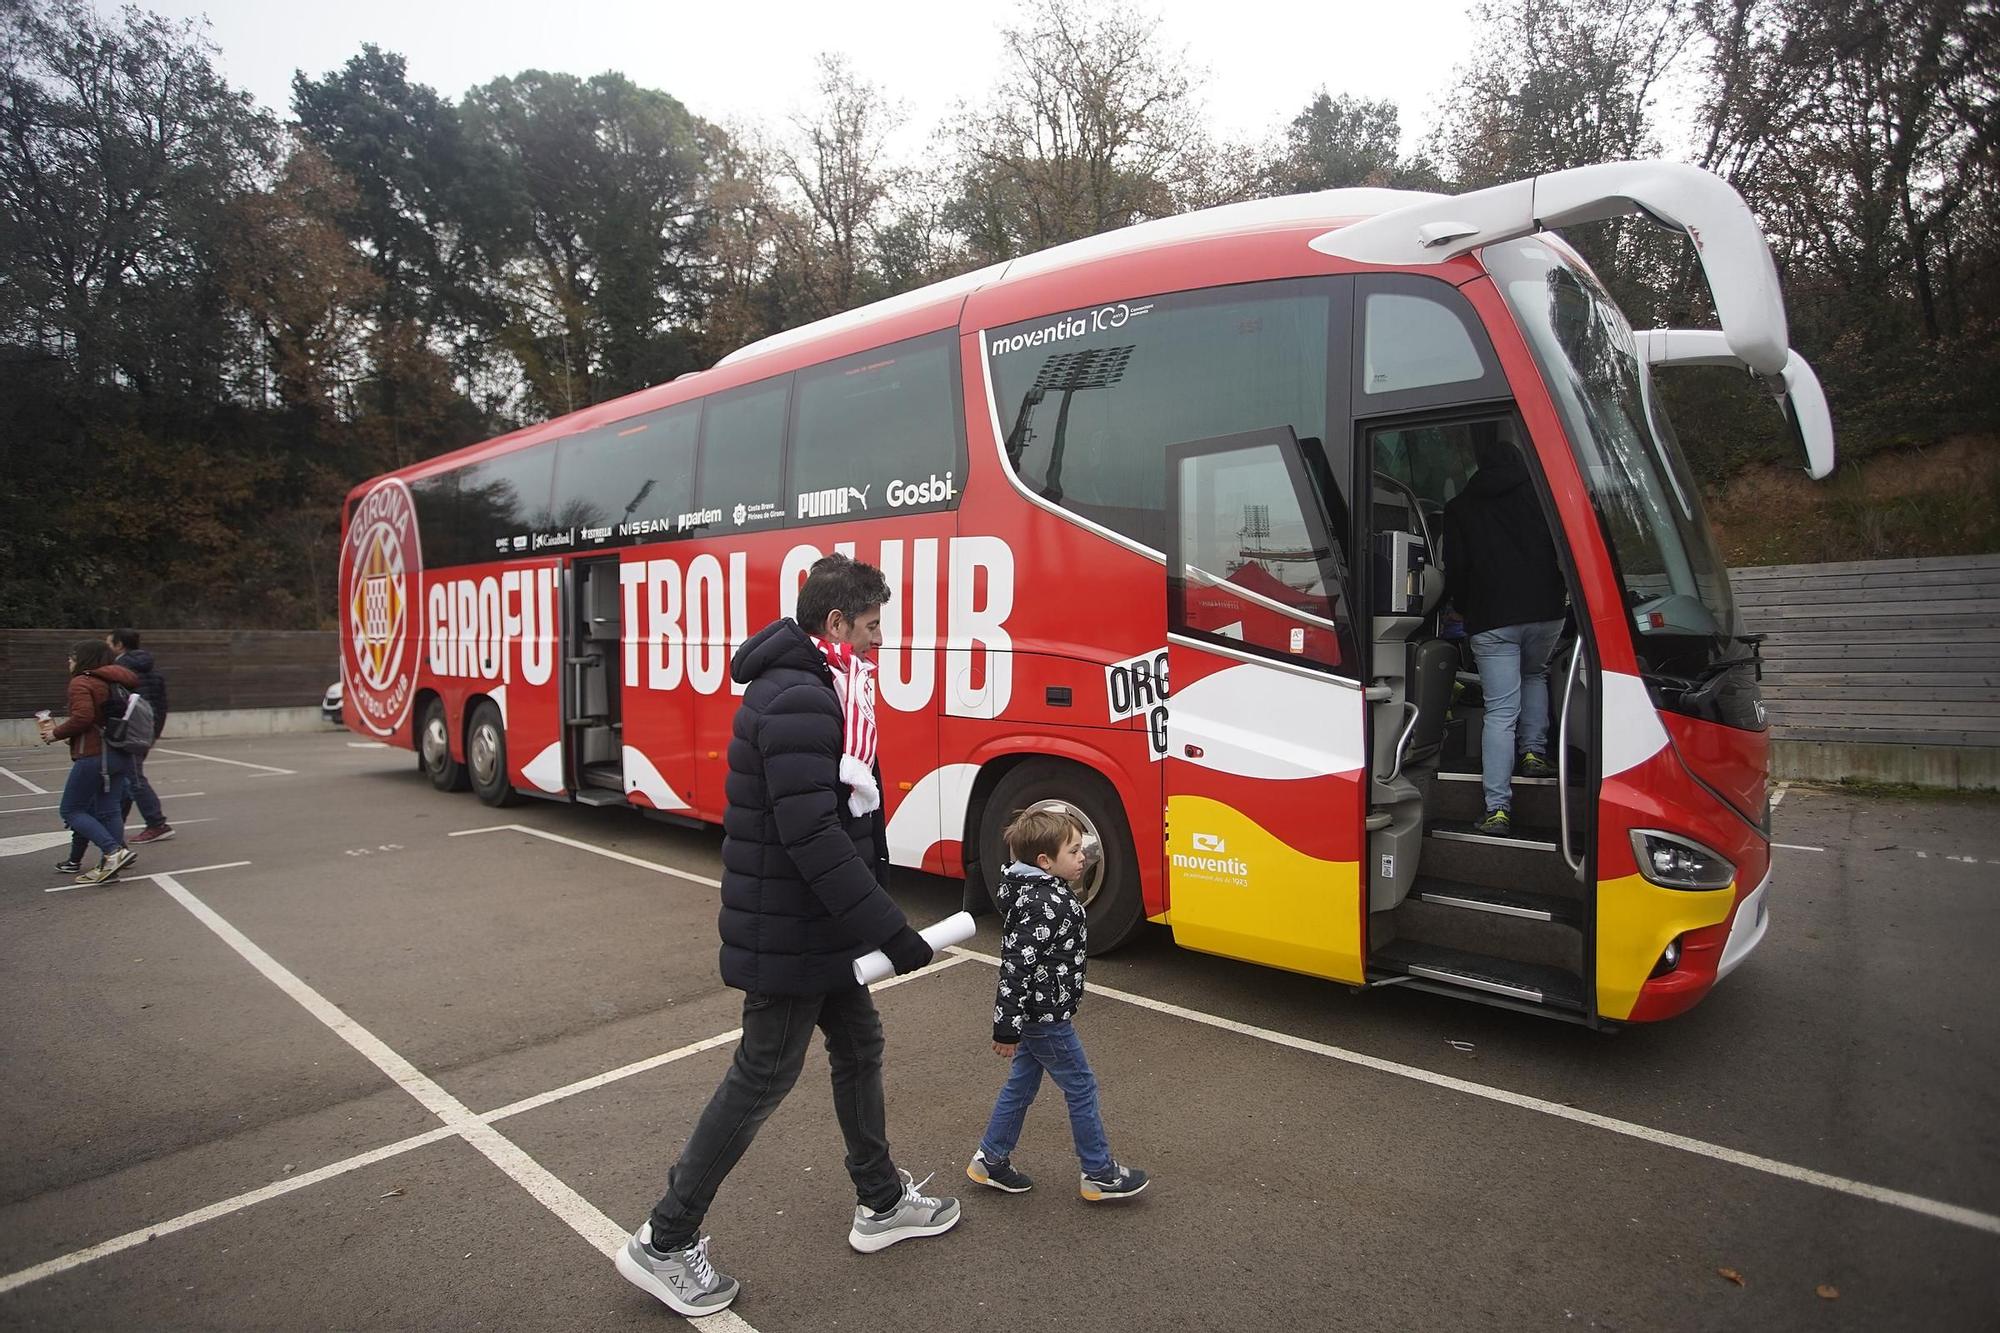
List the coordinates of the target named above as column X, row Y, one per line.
column 1041, row 983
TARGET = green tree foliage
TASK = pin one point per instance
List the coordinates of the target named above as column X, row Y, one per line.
column 1340, row 142
column 598, row 199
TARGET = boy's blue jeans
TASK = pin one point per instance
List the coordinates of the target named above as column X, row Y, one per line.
column 1054, row 1047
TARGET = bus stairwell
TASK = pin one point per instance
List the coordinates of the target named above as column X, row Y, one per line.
column 593, row 714
column 1500, row 917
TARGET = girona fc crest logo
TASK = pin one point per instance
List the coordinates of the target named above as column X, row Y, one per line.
column 381, row 564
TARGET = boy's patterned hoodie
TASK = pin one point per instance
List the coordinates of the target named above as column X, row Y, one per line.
column 1042, row 941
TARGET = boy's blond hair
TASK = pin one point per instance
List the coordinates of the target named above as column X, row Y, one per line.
column 1040, row 831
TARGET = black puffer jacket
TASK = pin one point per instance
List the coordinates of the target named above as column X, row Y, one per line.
column 803, row 879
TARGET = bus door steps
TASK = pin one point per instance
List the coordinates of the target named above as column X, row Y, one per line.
column 1458, row 796
column 1499, row 902
column 1510, row 925
column 599, row 796
column 1525, row 836
column 611, row 777
column 1551, row 987
column 1528, row 861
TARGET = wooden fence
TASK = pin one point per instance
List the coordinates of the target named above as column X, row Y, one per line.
column 205, row 669
column 1886, row 652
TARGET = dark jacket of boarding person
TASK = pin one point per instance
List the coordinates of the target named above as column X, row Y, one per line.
column 1501, row 575
column 805, row 870
column 138, row 789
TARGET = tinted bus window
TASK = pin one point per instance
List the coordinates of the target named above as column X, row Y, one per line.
column 1090, row 400
column 740, row 482
column 877, row 433
column 436, row 499
column 630, row 480
column 503, row 503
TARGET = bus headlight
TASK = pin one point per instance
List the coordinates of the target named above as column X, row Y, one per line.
column 1674, row 862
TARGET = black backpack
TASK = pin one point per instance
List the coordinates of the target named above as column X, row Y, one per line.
column 129, row 725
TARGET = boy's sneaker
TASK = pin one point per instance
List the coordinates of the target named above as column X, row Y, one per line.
column 154, row 833
column 915, row 1214
column 1001, row 1175
column 1120, row 1182
column 69, row 865
column 1533, row 765
column 1496, row 824
column 684, row 1278
column 109, row 867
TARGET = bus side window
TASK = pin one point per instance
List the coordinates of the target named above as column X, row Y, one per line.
column 628, row 480
column 877, row 433
column 740, row 479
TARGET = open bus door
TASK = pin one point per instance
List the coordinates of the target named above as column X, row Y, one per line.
column 1265, row 765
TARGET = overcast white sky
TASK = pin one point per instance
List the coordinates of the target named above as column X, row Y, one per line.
column 731, row 61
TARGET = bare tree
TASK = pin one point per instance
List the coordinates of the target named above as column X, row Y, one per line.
column 1094, row 126
column 836, row 159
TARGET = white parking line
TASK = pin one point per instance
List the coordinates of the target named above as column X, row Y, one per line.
column 217, row 759
column 33, row 790
column 1945, row 1212
column 165, row 796
column 366, row 745
column 1778, row 796
column 653, row 866
column 582, row 1216
column 1795, row 847
column 136, row 879
column 78, row 1258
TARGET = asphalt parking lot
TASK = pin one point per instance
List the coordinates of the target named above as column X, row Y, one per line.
column 350, row 1053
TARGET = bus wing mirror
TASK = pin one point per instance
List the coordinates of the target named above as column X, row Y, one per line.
column 1801, row 400
column 1727, row 238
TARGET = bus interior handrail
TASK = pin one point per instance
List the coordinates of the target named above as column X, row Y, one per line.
column 1575, row 863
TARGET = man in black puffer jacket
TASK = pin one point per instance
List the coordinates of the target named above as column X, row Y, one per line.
column 804, row 892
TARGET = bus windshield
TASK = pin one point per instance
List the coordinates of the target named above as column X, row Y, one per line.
column 1676, row 586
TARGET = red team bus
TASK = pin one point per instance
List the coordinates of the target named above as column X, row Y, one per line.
column 1160, row 511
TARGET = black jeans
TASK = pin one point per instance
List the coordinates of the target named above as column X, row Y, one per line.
column 776, row 1031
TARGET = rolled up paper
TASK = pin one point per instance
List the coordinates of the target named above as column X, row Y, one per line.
column 870, row 968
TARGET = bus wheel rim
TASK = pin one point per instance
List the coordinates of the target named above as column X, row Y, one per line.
column 434, row 742
column 485, row 750
column 1088, row 887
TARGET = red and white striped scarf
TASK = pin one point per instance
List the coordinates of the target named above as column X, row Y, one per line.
column 854, row 682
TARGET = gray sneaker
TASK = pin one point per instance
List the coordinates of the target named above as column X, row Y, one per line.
column 915, row 1214
column 684, row 1279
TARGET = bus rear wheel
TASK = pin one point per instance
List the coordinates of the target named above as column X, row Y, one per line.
column 1109, row 889
column 434, row 750
column 486, row 755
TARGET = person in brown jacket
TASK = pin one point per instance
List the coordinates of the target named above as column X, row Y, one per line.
column 96, row 771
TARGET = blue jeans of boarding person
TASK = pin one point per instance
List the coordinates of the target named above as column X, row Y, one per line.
column 1056, row 1048
column 1514, row 676
column 88, row 807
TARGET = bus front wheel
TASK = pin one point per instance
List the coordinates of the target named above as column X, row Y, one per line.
column 434, row 750
column 1109, row 888
column 486, row 756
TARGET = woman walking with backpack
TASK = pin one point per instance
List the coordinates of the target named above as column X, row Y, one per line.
column 96, row 771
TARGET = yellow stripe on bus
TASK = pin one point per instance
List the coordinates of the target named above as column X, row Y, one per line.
column 1238, row 891
column 1635, row 922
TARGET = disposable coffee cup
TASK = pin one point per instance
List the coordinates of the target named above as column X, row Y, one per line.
column 41, row 715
